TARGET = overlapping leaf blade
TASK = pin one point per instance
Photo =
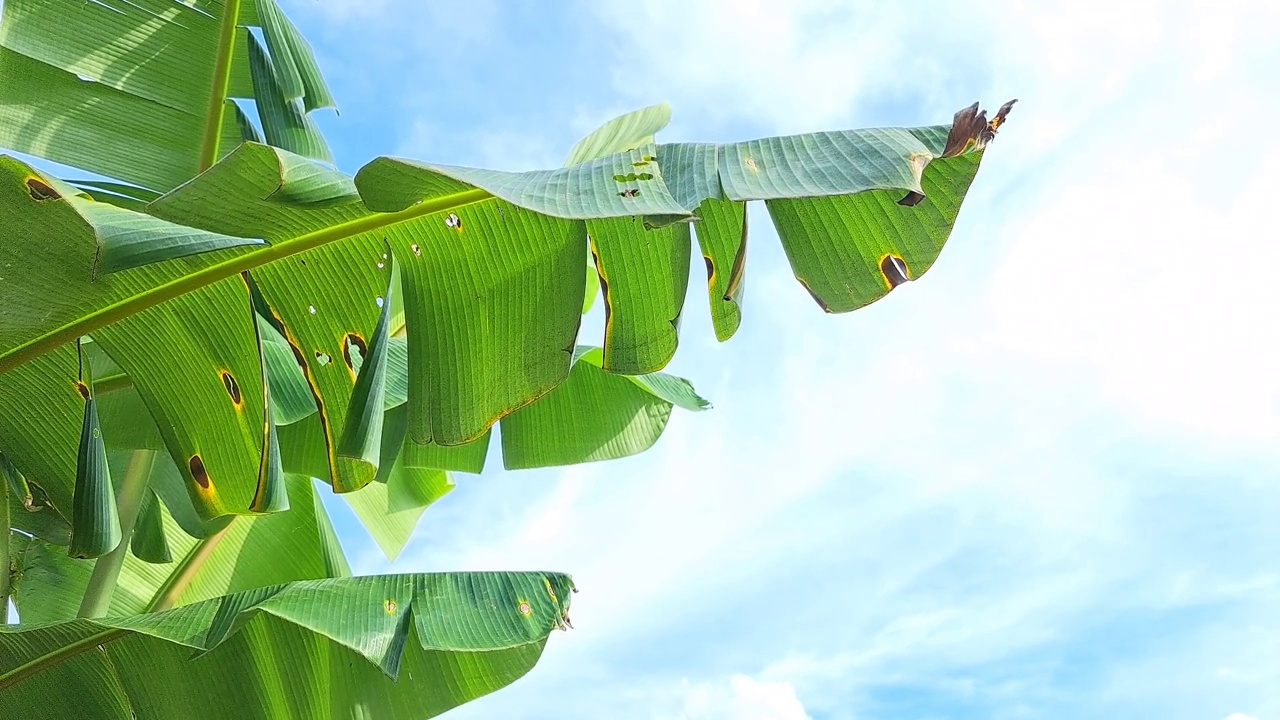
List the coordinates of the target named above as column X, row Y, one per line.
column 250, row 552
column 408, row 645
column 139, row 90
column 594, row 415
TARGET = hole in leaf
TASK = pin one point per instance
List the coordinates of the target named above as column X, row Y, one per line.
column 416, row 248
column 629, row 193
column 453, row 221
column 198, row 473
column 311, row 309
column 233, row 389
column 323, row 358
column 378, row 301
column 381, row 264
column 390, row 605
column 353, row 340
column 894, row 270
column 40, row 191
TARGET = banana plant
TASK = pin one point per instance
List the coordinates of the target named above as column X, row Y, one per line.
column 193, row 334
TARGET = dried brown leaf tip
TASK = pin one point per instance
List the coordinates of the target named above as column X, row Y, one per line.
column 972, row 129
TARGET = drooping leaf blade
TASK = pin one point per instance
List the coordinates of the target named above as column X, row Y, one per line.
column 360, row 445
column 148, row 542
column 408, row 645
column 593, row 416
column 95, row 525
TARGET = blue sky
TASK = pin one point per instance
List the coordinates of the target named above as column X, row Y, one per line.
column 1041, row 482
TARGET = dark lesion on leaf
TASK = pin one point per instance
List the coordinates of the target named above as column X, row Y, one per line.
column 82, row 389
column 41, row 191
column 911, row 199
column 233, row 388
column 198, row 473
column 894, row 270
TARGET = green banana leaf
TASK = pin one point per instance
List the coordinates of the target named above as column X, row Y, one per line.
column 490, row 271
column 246, row 553
column 141, row 90
column 383, row 646
column 625, row 132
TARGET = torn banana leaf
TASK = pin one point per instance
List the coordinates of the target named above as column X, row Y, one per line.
column 492, row 262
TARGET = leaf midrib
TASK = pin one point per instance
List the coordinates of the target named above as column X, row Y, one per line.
column 228, row 268
column 221, row 84
column 58, row 655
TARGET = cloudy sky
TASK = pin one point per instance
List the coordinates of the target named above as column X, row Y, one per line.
column 1041, row 482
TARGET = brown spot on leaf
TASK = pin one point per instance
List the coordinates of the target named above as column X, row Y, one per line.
column 911, row 199
column 629, row 193
column 82, row 389
column 198, row 473
column 233, row 388
column 894, row 270
column 711, row 269
column 971, row 129
column 41, row 191
column 353, row 340
column 389, row 605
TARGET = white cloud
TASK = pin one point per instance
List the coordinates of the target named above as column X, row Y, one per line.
column 741, row 698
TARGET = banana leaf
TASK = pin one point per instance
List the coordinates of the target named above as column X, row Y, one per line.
column 382, row 646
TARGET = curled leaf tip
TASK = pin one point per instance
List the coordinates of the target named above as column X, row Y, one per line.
column 971, row 130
